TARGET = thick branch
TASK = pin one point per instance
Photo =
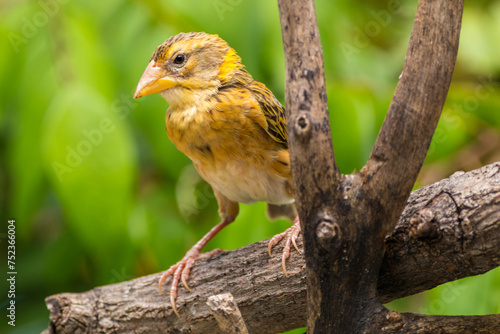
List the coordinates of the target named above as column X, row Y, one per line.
column 344, row 245
column 442, row 229
column 315, row 173
column 461, row 238
column 314, row 170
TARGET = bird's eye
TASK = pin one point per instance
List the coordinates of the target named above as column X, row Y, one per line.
column 179, row 59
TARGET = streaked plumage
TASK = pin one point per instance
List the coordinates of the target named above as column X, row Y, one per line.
column 230, row 125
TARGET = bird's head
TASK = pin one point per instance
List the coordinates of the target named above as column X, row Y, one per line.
column 187, row 67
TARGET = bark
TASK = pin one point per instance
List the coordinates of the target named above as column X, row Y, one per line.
column 346, row 218
column 227, row 314
column 447, row 231
column 407, row 323
column 442, row 229
column 316, row 178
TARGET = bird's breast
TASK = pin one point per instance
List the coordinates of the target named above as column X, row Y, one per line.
column 234, row 155
column 247, row 179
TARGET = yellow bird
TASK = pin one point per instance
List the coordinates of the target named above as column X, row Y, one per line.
column 232, row 128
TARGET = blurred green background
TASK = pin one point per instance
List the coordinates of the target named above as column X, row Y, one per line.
column 100, row 195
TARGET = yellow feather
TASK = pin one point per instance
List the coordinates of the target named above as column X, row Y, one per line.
column 231, row 62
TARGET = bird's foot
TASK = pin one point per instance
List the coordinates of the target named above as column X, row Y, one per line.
column 291, row 235
column 181, row 270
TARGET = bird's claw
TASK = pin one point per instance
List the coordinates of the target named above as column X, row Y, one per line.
column 291, row 235
column 274, row 240
column 181, row 271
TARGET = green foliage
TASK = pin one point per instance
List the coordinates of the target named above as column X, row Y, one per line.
column 98, row 156
column 100, row 195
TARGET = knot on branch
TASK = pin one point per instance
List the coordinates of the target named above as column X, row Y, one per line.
column 303, row 127
column 307, row 74
column 423, row 225
column 328, row 233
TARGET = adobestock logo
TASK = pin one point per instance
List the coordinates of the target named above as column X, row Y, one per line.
column 76, row 154
column 84, row 148
column 30, row 26
column 363, row 37
column 224, row 6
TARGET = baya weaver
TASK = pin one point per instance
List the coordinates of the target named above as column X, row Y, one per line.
column 232, row 128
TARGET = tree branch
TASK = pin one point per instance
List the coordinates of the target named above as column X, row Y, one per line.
column 315, row 173
column 307, row 109
column 345, row 219
column 443, row 234
column 408, row 323
column 406, row 134
column 227, row 314
column 461, row 239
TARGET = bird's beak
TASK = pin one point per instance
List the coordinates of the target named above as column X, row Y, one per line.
column 153, row 80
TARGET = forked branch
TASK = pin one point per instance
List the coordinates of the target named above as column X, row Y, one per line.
column 345, row 218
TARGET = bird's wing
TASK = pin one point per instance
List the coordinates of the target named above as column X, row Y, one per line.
column 273, row 111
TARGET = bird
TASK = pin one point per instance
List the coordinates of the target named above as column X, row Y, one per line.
column 232, row 128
